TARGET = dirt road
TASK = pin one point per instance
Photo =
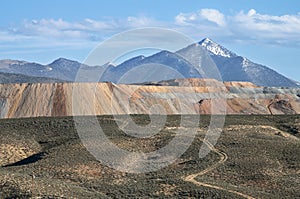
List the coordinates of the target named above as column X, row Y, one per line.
column 223, row 158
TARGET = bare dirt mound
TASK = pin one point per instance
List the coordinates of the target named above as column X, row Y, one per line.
column 56, row 99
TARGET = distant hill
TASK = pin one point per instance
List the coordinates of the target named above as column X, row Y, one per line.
column 8, row 78
column 60, row 69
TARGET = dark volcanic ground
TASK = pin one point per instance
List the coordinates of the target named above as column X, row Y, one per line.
column 44, row 158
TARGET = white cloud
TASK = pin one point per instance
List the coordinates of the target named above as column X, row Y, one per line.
column 251, row 12
column 7, row 36
column 278, row 25
column 251, row 26
column 246, row 26
column 185, row 19
column 88, row 29
column 202, row 16
column 213, row 16
column 49, row 34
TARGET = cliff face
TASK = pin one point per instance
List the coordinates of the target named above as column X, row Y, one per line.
column 56, row 99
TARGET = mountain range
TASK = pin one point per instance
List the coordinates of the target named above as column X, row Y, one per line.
column 189, row 62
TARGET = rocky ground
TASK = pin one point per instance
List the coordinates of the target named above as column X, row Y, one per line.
column 255, row 157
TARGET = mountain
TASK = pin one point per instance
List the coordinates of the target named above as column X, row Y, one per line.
column 160, row 66
column 67, row 68
column 195, row 61
column 61, row 69
column 237, row 68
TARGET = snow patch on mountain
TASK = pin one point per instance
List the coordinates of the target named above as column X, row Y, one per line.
column 246, row 62
column 216, row 49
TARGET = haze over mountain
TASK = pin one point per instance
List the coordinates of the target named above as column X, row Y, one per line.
column 188, row 62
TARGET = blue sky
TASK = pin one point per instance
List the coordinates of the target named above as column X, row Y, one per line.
column 267, row 32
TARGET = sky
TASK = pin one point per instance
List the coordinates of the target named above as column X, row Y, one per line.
column 266, row 32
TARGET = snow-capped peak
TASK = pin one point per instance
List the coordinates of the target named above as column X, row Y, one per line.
column 215, row 48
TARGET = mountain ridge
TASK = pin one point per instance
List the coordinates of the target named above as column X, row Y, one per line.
column 230, row 65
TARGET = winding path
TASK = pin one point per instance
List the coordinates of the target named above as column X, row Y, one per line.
column 223, row 158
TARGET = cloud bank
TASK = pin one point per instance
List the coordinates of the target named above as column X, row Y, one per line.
column 249, row 26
